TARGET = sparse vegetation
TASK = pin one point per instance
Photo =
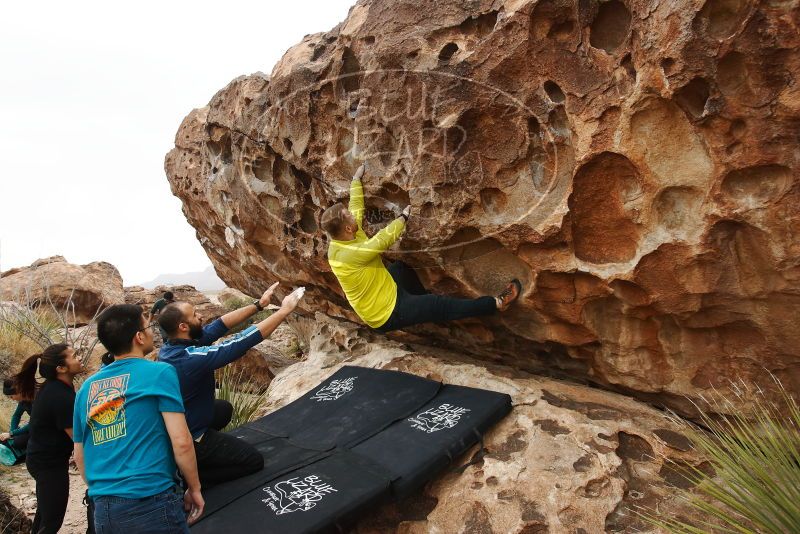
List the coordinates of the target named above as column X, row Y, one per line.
column 756, row 459
column 12, row 519
column 28, row 325
column 246, row 399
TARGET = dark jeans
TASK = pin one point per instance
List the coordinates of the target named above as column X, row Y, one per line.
column 159, row 514
column 415, row 305
column 52, row 494
column 222, row 457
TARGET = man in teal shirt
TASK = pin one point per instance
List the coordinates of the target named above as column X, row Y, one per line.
column 130, row 434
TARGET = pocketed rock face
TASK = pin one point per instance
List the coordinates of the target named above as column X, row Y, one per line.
column 634, row 163
column 90, row 287
column 568, row 458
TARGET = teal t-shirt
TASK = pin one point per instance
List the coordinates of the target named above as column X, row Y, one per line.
column 117, row 418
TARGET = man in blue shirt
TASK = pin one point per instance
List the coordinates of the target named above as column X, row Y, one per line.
column 130, row 434
column 220, row 456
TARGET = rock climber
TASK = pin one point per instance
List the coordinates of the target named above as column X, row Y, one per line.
column 393, row 298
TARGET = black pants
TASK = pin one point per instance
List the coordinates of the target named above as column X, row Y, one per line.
column 52, row 494
column 222, row 457
column 223, row 413
column 21, row 441
column 416, row 305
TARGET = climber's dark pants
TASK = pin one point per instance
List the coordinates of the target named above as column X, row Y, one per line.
column 416, row 305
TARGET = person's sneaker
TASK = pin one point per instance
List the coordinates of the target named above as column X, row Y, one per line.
column 508, row 295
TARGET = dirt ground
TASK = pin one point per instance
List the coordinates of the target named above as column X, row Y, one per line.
column 21, row 487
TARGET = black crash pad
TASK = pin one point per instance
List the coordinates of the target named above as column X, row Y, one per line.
column 415, row 449
column 280, row 457
column 317, row 498
column 351, row 405
column 361, row 436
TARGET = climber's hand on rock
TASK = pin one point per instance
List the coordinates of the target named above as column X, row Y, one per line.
column 359, row 171
column 265, row 298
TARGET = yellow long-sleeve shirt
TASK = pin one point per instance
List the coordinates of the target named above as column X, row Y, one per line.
column 357, row 264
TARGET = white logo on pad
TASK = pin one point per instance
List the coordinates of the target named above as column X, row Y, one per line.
column 334, row 390
column 296, row 494
column 445, row 416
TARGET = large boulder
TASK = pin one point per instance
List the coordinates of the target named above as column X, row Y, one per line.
column 634, row 163
column 568, row 458
column 183, row 293
column 88, row 288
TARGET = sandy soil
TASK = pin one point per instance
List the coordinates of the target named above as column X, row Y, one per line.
column 22, row 489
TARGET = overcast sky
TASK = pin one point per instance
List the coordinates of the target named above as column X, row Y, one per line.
column 91, row 95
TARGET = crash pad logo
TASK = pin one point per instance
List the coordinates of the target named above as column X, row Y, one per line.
column 335, row 389
column 445, row 416
column 105, row 407
column 296, row 494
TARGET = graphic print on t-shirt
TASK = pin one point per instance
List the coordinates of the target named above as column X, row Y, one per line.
column 105, row 407
column 335, row 389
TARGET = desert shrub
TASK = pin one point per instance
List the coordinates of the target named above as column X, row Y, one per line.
column 235, row 388
column 755, row 485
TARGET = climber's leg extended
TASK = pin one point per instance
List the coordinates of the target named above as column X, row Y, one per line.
column 406, row 277
column 416, row 309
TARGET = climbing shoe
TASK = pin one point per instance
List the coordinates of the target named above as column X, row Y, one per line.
column 508, row 295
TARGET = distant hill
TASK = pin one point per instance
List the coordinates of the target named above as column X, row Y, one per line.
column 202, row 280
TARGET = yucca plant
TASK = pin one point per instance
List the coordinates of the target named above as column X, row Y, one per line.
column 756, row 459
column 44, row 323
column 234, row 388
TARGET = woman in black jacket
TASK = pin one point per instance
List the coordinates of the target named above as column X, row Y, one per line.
column 50, row 441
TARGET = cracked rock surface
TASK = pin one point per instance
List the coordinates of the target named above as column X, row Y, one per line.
column 633, row 162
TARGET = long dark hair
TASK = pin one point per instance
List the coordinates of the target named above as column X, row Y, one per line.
column 47, row 361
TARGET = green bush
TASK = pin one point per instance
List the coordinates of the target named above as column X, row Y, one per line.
column 246, row 400
column 756, row 457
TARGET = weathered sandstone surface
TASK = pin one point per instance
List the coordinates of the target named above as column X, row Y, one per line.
column 567, row 459
column 634, row 163
column 90, row 287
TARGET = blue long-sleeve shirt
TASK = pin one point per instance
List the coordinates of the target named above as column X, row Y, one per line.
column 14, row 428
column 196, row 360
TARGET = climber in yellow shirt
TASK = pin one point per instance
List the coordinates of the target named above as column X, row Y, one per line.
column 393, row 298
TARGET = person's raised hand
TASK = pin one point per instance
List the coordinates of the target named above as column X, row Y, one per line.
column 360, row 171
column 265, row 298
column 193, row 504
column 291, row 300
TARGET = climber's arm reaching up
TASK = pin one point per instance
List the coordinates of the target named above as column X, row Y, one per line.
column 356, row 206
column 362, row 253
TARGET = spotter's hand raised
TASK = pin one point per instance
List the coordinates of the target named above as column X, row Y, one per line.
column 265, row 298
